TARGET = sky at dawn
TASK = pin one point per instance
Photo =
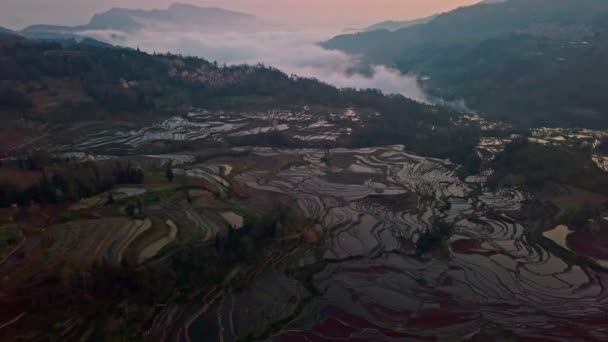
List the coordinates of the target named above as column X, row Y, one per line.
column 18, row 14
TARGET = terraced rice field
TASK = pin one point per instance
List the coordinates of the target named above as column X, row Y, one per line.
column 372, row 206
column 209, row 126
column 366, row 277
column 110, row 241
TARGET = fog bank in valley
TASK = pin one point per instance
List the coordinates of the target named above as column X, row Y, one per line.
column 293, row 52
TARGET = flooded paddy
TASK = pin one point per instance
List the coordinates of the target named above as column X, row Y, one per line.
column 369, row 275
column 372, row 208
column 216, row 126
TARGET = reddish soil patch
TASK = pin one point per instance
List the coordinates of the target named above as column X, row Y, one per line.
column 311, row 236
column 19, row 177
column 440, row 318
column 593, row 244
column 341, row 326
column 43, row 216
column 384, row 314
column 468, row 246
column 59, row 91
column 6, row 215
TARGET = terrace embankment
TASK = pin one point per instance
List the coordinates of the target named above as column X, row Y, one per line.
column 366, row 279
column 370, row 243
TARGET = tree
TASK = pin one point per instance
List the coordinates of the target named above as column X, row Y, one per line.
column 110, row 198
column 326, row 156
column 130, row 210
column 433, row 237
column 169, row 171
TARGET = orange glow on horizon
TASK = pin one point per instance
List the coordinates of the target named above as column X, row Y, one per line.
column 304, row 13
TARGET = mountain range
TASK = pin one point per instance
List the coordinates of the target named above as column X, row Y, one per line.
column 534, row 61
column 176, row 15
column 476, row 23
column 393, row 25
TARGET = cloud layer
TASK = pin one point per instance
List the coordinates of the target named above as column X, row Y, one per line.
column 293, row 52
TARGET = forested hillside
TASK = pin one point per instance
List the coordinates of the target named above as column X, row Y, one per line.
column 54, row 81
column 537, row 62
column 49, row 82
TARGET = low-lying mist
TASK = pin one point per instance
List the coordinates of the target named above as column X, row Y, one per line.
column 293, row 52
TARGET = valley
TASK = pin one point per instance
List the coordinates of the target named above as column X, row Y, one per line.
column 166, row 197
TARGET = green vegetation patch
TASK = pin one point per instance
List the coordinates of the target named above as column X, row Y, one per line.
column 9, row 239
column 540, row 164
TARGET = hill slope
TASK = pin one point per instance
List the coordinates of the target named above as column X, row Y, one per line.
column 393, row 25
column 533, row 61
column 66, row 85
column 477, row 23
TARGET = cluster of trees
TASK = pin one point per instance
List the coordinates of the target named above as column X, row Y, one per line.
column 70, row 182
column 439, row 138
column 539, row 164
column 14, row 99
column 433, row 237
column 195, row 266
column 249, row 242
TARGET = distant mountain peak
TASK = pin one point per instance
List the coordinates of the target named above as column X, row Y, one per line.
column 5, row 30
column 180, row 6
column 177, row 14
column 189, row 9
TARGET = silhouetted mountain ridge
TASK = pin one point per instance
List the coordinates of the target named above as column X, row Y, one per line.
column 474, row 23
column 178, row 14
column 394, row 25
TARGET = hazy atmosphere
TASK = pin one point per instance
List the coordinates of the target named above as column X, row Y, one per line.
column 293, row 52
column 285, row 34
column 287, row 40
column 312, row 13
